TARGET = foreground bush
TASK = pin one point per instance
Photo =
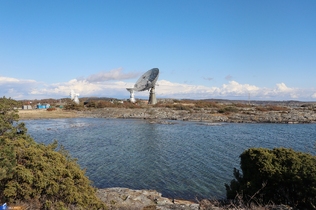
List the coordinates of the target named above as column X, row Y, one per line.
column 279, row 176
column 37, row 175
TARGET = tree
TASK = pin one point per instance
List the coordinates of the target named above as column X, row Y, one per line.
column 41, row 176
column 8, row 116
column 281, row 176
column 7, row 160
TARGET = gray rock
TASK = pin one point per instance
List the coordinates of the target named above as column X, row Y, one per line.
column 124, row 198
column 243, row 115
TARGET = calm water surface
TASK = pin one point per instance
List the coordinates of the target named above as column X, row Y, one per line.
column 180, row 160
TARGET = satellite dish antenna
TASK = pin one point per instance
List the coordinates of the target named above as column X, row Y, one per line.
column 146, row 82
column 74, row 96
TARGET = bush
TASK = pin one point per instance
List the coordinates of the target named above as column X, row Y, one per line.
column 37, row 175
column 71, row 105
column 281, row 176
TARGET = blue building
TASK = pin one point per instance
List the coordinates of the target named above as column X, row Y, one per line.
column 42, row 106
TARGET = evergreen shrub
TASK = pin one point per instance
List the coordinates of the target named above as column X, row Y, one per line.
column 278, row 176
column 36, row 175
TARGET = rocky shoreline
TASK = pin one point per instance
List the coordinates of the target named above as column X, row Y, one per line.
column 243, row 115
column 129, row 199
column 292, row 116
column 124, row 198
column 289, row 112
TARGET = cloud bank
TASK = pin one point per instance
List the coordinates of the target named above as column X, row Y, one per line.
column 112, row 84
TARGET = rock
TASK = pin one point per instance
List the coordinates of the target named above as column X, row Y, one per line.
column 278, row 207
column 206, row 204
column 124, row 198
column 206, row 115
column 128, row 199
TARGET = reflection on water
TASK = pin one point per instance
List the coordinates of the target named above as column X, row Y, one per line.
column 181, row 160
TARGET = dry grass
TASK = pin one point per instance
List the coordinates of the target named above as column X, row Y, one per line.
column 271, row 108
column 44, row 114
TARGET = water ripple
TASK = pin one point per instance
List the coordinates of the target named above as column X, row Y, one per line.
column 180, row 160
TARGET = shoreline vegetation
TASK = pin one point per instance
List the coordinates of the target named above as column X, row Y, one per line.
column 185, row 110
column 290, row 112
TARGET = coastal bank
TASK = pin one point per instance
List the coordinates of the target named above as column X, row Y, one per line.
column 229, row 114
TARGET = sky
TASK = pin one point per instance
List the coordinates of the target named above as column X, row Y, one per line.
column 204, row 49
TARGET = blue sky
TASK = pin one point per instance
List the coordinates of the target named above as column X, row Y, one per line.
column 204, row 49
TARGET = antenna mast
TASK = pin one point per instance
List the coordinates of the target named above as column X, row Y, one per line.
column 249, row 98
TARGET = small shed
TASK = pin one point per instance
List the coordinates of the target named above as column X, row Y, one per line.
column 26, row 107
column 42, row 106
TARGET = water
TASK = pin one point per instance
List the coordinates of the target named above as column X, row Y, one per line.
column 180, row 160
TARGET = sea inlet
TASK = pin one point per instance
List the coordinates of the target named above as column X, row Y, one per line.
column 179, row 159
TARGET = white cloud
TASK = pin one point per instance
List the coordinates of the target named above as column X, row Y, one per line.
column 232, row 90
column 30, row 89
column 282, row 87
column 84, row 88
column 282, row 91
column 9, row 80
column 15, row 88
column 234, row 87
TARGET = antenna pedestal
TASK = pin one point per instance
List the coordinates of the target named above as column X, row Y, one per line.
column 131, row 97
column 152, row 96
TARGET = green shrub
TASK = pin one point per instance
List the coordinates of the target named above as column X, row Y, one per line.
column 281, row 176
column 38, row 175
column 71, row 105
